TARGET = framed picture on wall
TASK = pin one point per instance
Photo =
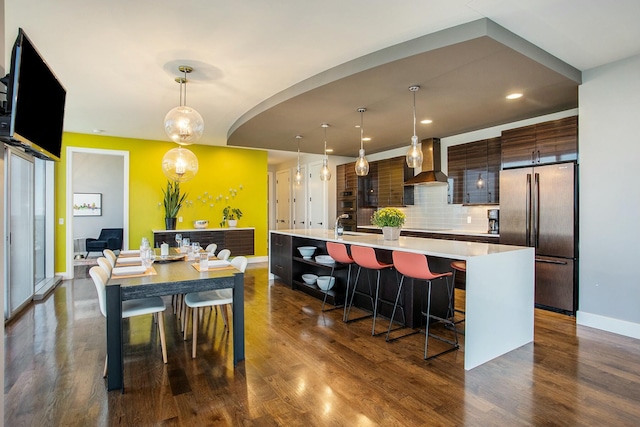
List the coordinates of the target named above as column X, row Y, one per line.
column 87, row 204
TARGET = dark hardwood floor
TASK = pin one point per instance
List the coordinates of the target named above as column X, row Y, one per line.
column 305, row 368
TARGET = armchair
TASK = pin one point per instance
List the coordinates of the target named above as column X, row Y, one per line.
column 110, row 238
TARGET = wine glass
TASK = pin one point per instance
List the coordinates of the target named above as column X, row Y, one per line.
column 179, row 239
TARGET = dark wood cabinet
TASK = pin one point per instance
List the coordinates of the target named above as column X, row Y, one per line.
column 543, row 143
column 368, row 188
column 347, row 195
column 389, row 188
column 474, row 172
column 280, row 257
column 238, row 241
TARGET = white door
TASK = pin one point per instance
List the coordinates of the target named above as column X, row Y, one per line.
column 300, row 200
column 283, row 199
column 20, row 241
column 317, row 206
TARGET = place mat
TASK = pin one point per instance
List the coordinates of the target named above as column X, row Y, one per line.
column 150, row 272
column 227, row 267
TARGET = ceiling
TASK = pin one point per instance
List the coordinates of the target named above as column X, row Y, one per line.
column 264, row 71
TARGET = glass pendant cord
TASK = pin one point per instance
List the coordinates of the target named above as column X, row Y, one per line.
column 298, row 174
column 325, row 173
column 362, row 165
column 414, row 155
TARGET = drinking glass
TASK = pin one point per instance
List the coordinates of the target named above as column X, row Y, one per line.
column 179, row 240
column 195, row 247
column 186, row 243
column 204, row 261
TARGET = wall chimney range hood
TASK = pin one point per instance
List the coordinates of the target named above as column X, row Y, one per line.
column 431, row 173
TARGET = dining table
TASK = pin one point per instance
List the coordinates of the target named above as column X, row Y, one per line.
column 171, row 276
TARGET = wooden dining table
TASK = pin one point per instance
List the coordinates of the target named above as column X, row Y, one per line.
column 170, row 278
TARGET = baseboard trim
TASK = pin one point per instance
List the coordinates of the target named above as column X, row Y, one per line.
column 609, row 324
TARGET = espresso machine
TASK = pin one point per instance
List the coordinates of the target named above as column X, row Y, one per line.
column 494, row 217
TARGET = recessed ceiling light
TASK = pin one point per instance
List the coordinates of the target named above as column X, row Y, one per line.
column 366, row 138
column 98, row 131
column 329, row 150
column 514, row 96
column 426, row 121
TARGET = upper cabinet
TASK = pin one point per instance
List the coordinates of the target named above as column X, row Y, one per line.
column 474, row 172
column 384, row 184
column 549, row 142
column 346, row 179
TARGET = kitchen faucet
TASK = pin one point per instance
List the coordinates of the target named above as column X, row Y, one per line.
column 338, row 228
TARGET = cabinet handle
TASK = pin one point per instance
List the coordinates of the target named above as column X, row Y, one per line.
column 533, row 156
column 468, row 198
column 489, row 193
column 538, row 161
column 319, row 223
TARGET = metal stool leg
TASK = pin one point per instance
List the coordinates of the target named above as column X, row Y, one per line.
column 353, row 293
column 454, row 344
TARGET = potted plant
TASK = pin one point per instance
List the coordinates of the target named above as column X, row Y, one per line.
column 231, row 216
column 173, row 201
column 390, row 220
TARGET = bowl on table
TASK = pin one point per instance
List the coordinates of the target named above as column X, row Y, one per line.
column 325, row 282
column 309, row 278
column 307, row 251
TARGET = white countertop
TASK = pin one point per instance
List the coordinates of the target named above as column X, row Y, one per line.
column 452, row 249
column 441, row 231
column 204, row 229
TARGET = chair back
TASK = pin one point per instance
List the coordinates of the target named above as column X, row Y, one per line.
column 105, row 264
column 365, row 257
column 112, row 237
column 224, row 254
column 240, row 263
column 100, row 279
column 111, row 256
column 211, row 248
column 414, row 265
column 338, row 251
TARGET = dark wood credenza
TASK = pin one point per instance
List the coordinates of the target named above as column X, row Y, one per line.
column 240, row 241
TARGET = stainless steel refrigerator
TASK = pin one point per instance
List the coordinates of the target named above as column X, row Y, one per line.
column 538, row 208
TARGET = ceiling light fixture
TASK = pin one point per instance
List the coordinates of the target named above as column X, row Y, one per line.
column 362, row 165
column 180, row 164
column 183, row 124
column 514, row 96
column 298, row 173
column 325, row 173
column 426, row 121
column 414, row 155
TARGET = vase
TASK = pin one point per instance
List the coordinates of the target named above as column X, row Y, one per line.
column 232, row 222
column 391, row 233
column 170, row 223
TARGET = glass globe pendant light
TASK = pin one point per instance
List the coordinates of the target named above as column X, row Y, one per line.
column 298, row 173
column 183, row 124
column 179, row 164
column 362, row 165
column 325, row 173
column 414, row 155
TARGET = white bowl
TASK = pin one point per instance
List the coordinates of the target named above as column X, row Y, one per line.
column 307, row 251
column 325, row 282
column 325, row 259
column 309, row 278
column 200, row 223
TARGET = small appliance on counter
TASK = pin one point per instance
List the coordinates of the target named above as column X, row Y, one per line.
column 494, row 218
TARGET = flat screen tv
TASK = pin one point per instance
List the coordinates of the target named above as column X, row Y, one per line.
column 34, row 112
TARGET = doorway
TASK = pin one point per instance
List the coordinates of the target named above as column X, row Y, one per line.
column 91, row 170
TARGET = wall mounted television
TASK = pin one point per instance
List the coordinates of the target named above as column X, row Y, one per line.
column 33, row 115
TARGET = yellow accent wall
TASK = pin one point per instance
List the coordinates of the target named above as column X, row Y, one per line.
column 221, row 169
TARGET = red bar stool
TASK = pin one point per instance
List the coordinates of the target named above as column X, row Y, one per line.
column 416, row 266
column 365, row 257
column 338, row 251
column 456, row 266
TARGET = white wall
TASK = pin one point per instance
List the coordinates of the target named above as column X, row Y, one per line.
column 609, row 100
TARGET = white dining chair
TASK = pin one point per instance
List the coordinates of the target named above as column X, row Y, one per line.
column 106, row 265
column 211, row 248
column 218, row 297
column 224, row 254
column 111, row 256
column 130, row 308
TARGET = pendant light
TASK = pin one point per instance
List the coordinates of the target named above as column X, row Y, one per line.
column 298, row 173
column 183, row 124
column 179, row 164
column 362, row 165
column 414, row 155
column 325, row 173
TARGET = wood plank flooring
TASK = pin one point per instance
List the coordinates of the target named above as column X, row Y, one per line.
column 304, row 368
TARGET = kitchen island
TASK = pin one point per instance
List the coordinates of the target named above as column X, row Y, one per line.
column 499, row 290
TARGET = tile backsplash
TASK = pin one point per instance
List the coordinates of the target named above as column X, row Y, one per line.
column 431, row 211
